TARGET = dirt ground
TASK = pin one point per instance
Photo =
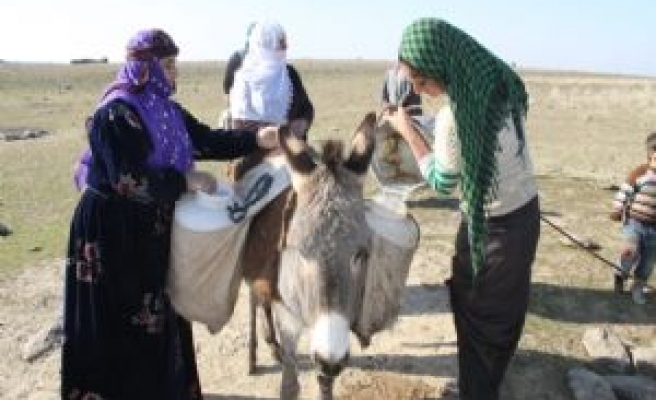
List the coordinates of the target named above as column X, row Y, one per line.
column 585, row 134
column 411, row 361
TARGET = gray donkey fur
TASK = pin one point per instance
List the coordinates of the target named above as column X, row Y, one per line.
column 324, row 257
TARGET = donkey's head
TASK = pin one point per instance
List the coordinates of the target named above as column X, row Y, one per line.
column 328, row 240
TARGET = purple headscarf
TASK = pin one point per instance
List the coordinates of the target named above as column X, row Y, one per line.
column 141, row 83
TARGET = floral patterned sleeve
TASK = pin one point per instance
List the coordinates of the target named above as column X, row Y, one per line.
column 120, row 146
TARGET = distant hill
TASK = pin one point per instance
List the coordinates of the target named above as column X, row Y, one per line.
column 103, row 60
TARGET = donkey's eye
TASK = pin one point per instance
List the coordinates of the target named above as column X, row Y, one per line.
column 361, row 256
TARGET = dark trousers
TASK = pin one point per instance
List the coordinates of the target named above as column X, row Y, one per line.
column 489, row 309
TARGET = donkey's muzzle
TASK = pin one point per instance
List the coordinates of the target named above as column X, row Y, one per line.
column 330, row 368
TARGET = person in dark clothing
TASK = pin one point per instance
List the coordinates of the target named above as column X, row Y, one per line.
column 234, row 62
column 122, row 338
column 485, row 151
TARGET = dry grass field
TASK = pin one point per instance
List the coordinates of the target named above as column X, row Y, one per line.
column 585, row 131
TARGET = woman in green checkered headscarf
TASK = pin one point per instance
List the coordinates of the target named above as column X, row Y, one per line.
column 482, row 90
column 484, row 150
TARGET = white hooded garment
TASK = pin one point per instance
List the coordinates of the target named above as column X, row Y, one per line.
column 262, row 89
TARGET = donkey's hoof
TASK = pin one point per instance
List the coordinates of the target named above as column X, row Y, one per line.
column 290, row 391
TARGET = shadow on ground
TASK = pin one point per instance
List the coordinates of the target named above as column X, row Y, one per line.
column 425, row 299
column 428, row 365
column 538, row 375
column 234, row 397
column 448, row 203
column 531, row 374
column 589, row 305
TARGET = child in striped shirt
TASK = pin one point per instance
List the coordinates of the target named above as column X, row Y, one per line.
column 635, row 206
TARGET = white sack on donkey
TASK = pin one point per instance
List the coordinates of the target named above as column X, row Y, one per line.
column 207, row 240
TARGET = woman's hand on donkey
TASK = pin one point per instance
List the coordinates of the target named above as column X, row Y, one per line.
column 267, row 137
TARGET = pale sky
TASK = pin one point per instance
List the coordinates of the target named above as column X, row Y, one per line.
column 590, row 35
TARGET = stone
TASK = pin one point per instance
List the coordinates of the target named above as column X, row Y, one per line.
column 21, row 134
column 635, row 387
column 607, row 350
column 4, row 230
column 586, row 385
column 43, row 341
column 644, row 361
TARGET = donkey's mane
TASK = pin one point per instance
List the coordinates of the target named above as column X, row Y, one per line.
column 332, row 153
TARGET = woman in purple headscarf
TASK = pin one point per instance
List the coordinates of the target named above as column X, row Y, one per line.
column 123, row 340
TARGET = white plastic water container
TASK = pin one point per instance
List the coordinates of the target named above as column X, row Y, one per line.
column 207, row 243
column 394, row 242
column 203, row 212
column 206, row 246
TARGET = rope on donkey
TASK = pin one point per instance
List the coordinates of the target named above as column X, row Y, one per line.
column 238, row 211
column 577, row 242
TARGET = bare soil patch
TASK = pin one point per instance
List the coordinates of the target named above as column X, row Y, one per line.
column 585, row 133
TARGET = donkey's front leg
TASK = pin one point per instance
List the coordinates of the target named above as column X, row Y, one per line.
column 252, row 332
column 270, row 333
column 289, row 387
column 326, row 386
column 289, row 331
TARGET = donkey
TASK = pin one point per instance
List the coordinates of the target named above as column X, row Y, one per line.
column 313, row 278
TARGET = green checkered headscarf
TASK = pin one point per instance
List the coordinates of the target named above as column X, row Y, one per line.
column 483, row 91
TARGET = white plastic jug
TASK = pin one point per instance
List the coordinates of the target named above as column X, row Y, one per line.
column 207, row 239
column 206, row 247
column 203, row 212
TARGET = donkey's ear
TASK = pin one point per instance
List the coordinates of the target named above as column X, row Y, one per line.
column 297, row 152
column 362, row 146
